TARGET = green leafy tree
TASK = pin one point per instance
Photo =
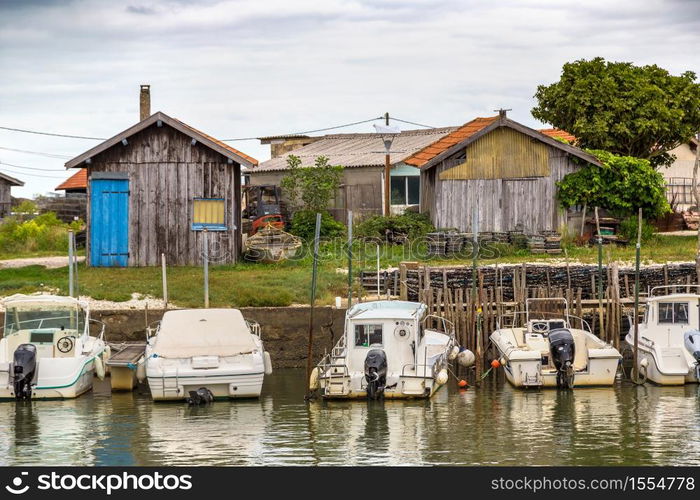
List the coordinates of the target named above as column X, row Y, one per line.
column 311, row 187
column 639, row 111
column 621, row 184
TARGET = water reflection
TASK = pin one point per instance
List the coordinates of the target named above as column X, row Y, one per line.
column 494, row 424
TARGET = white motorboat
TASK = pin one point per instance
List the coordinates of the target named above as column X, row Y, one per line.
column 547, row 352
column 46, row 351
column 215, row 350
column 392, row 349
column 669, row 337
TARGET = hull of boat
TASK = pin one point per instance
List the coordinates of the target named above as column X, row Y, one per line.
column 66, row 382
column 354, row 387
column 650, row 369
column 525, row 374
column 173, row 387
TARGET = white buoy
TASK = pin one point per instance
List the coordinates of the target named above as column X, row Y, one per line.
column 466, row 358
column 268, row 363
column 313, row 380
column 99, row 368
column 441, row 377
column 453, row 353
column 105, row 357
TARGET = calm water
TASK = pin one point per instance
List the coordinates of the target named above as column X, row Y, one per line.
column 491, row 425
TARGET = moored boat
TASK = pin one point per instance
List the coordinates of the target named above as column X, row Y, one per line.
column 46, row 351
column 390, row 349
column 197, row 354
column 669, row 336
column 546, row 351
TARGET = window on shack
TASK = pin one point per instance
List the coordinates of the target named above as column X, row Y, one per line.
column 673, row 312
column 405, row 190
column 367, row 335
column 209, row 213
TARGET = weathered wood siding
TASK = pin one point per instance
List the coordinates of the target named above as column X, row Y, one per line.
column 5, row 198
column 165, row 174
column 360, row 191
column 504, row 203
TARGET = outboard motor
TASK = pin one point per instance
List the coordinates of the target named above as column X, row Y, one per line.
column 562, row 349
column 375, row 373
column 23, row 370
column 692, row 344
column 201, row 396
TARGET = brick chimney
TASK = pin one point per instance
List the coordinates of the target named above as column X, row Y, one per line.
column 145, row 102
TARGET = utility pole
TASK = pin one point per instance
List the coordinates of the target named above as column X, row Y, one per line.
column 387, row 176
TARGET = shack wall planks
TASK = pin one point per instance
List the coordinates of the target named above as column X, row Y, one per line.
column 166, row 172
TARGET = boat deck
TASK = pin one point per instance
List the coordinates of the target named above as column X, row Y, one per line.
column 126, row 354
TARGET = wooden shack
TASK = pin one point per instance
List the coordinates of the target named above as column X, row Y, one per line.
column 505, row 171
column 159, row 187
column 6, row 184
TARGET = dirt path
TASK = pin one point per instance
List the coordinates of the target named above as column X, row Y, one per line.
column 49, row 262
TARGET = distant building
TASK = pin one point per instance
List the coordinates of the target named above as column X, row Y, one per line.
column 6, row 184
column 363, row 159
column 505, row 171
column 75, row 184
column 679, row 176
column 155, row 187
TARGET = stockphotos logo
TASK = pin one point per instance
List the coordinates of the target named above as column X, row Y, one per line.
column 17, row 482
column 107, row 483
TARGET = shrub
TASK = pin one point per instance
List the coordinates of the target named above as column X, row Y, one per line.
column 304, row 225
column 42, row 233
column 395, row 228
column 628, row 229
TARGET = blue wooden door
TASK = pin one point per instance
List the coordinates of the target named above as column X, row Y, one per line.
column 109, row 222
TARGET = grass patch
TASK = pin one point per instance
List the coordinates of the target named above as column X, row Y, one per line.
column 286, row 283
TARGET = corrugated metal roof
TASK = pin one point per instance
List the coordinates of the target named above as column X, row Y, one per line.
column 11, row 180
column 358, row 150
column 76, row 181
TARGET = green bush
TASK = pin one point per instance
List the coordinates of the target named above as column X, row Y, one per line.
column 395, row 228
column 628, row 229
column 304, row 225
column 42, row 233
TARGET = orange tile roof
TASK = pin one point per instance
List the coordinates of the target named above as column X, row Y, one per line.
column 76, row 181
column 464, row 132
column 558, row 133
column 222, row 144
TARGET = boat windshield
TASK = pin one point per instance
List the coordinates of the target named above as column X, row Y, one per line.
column 673, row 312
column 24, row 318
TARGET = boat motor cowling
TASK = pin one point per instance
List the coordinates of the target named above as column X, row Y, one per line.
column 23, row 370
column 692, row 343
column 375, row 372
column 562, row 349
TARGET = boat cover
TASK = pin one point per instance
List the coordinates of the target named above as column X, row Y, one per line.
column 203, row 332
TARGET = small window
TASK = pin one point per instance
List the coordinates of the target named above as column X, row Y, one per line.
column 367, row 335
column 405, row 190
column 673, row 312
column 209, row 213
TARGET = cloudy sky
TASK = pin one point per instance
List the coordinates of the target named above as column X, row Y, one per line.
column 242, row 68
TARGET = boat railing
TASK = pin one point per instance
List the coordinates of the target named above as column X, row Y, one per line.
column 448, row 328
column 254, row 328
column 519, row 319
column 673, row 289
column 153, row 325
column 101, row 325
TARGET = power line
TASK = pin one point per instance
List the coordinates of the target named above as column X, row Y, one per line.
column 411, row 123
column 29, row 168
column 48, row 155
column 52, row 134
column 305, row 131
column 33, row 175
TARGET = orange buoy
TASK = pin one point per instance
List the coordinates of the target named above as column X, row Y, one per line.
column 495, row 363
column 462, row 383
